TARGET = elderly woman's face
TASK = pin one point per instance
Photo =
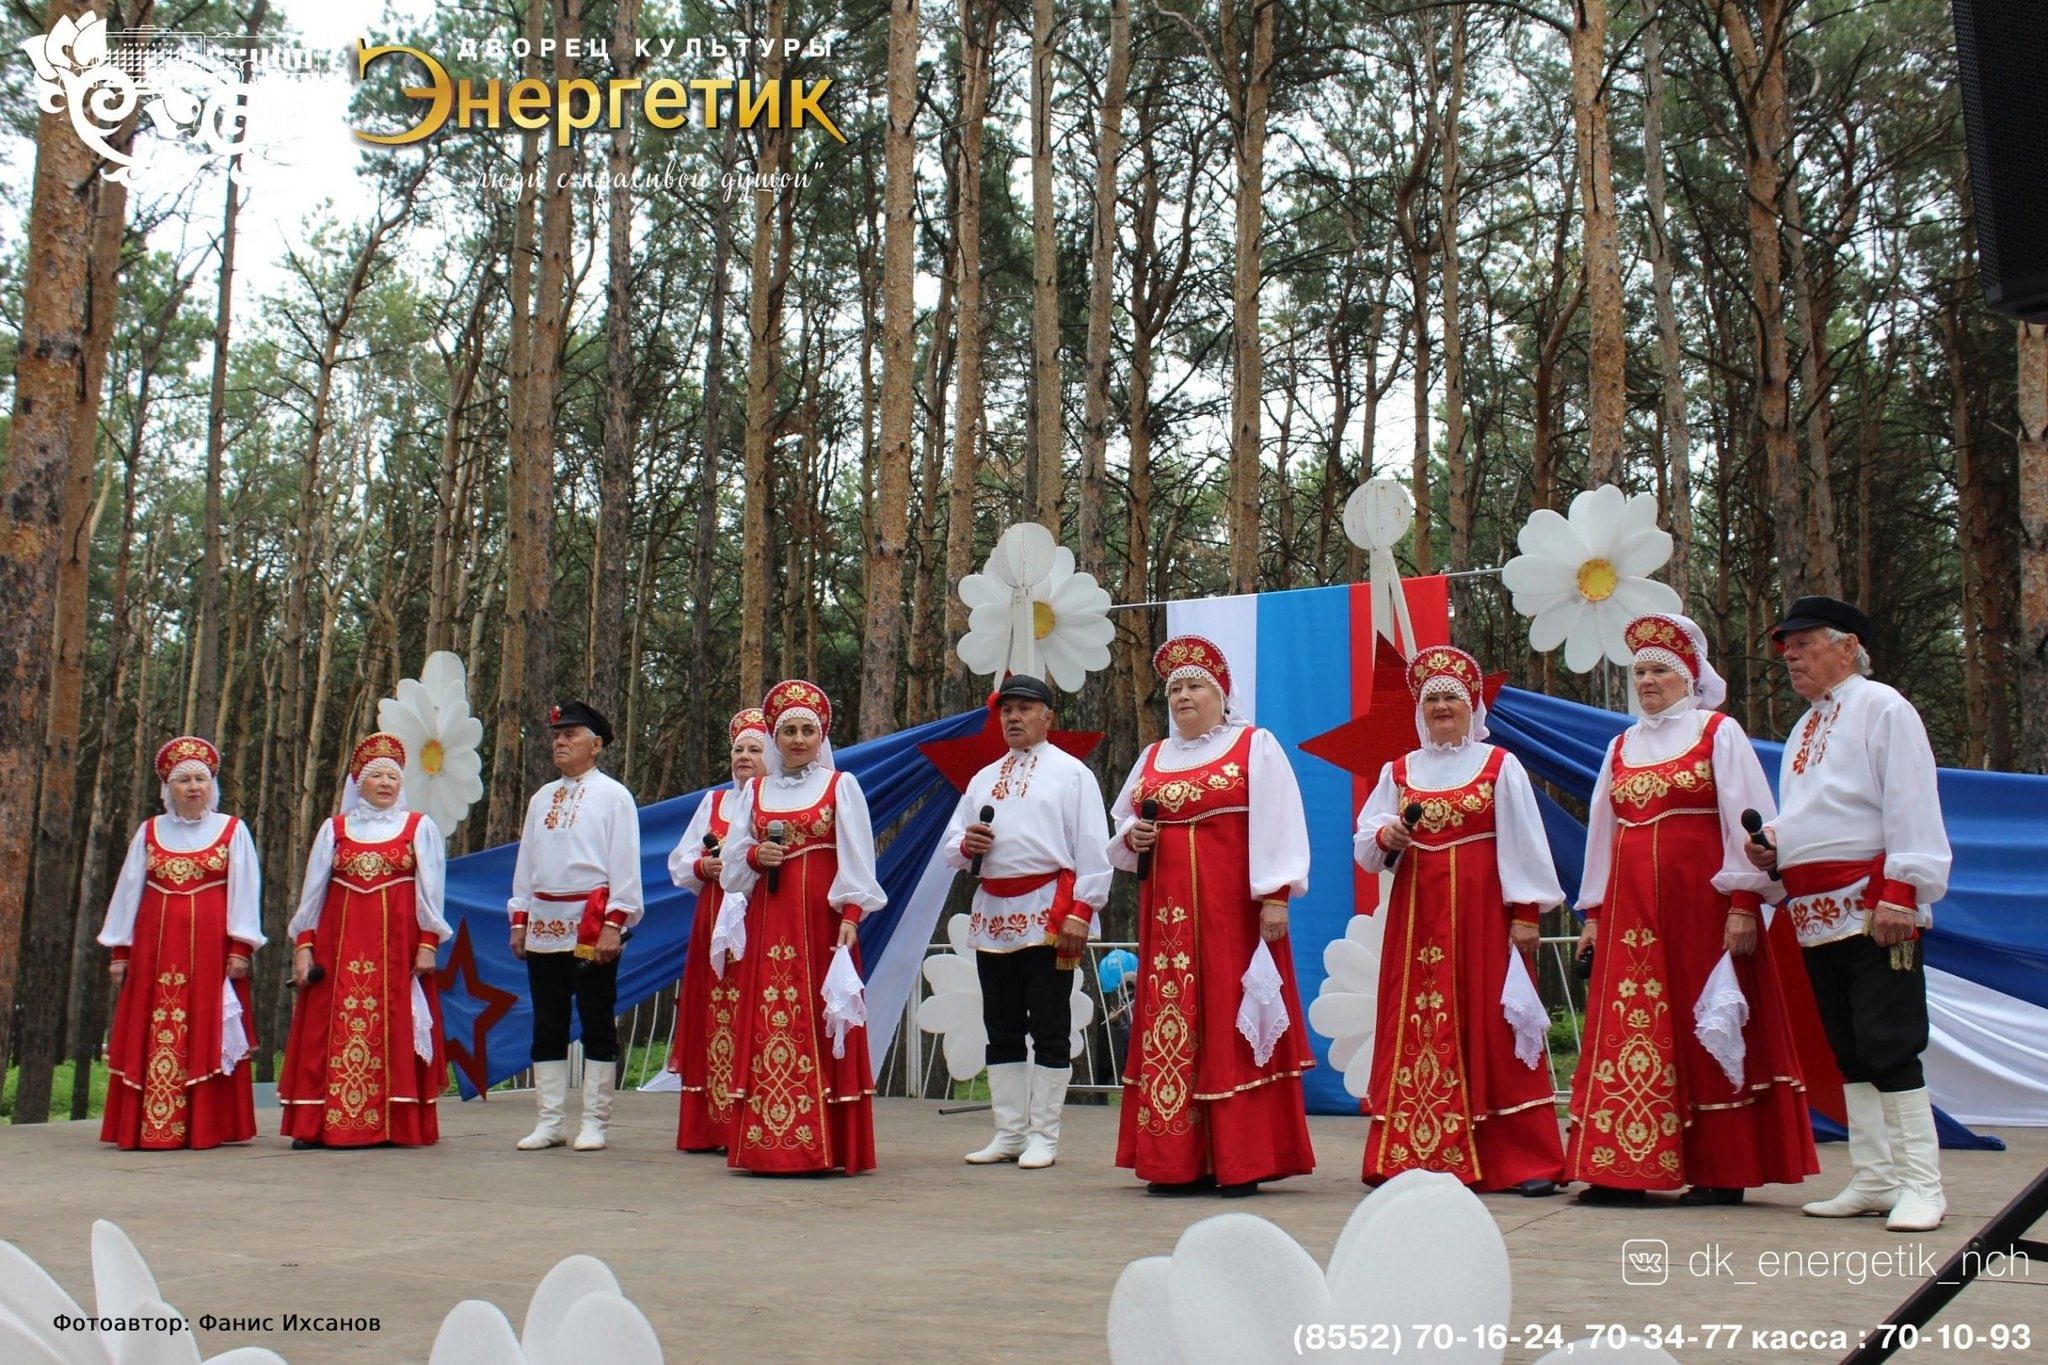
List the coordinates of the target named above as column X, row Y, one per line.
column 1449, row 717
column 191, row 791
column 748, row 759
column 1658, row 685
column 379, row 785
column 1195, row 704
column 799, row 738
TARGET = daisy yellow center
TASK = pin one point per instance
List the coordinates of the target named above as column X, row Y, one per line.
column 1042, row 620
column 1596, row 580
column 430, row 758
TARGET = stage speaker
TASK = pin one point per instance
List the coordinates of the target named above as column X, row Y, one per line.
column 2002, row 48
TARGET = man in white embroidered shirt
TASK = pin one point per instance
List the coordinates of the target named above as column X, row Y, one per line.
column 575, row 895
column 1861, row 849
column 1044, row 873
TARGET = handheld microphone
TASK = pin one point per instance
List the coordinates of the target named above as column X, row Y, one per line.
column 778, row 833
column 1411, row 816
column 1754, row 823
column 1147, row 811
column 988, row 813
column 315, row 974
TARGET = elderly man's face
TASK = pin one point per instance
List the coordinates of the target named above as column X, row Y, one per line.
column 576, row 750
column 1025, row 722
column 1816, row 663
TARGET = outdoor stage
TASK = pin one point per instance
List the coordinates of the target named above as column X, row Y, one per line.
column 925, row 1259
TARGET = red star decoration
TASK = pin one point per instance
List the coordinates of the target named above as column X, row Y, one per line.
column 958, row 760
column 1385, row 730
column 473, row 1061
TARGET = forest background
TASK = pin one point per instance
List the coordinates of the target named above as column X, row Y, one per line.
column 1173, row 279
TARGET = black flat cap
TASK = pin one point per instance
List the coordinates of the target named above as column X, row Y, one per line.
column 581, row 713
column 1808, row 612
column 1024, row 686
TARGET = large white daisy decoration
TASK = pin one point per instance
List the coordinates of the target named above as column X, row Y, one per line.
column 1420, row 1272
column 1030, row 611
column 430, row 714
column 1581, row 579
column 953, row 1009
column 1346, row 1009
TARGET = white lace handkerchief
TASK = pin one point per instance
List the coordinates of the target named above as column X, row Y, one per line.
column 846, row 1006
column 1523, row 1009
column 234, row 1039
column 1262, row 1013
column 1718, row 1017
column 729, row 933
column 422, row 1022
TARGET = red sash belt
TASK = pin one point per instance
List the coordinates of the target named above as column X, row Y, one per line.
column 592, row 924
column 1062, row 897
column 1817, row 879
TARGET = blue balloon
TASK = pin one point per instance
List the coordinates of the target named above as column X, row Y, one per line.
column 1115, row 967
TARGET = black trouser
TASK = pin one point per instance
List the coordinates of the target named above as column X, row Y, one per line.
column 1023, row 992
column 1875, row 1016
column 555, row 979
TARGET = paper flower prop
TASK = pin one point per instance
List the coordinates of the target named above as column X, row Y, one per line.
column 1419, row 1254
column 576, row 1314
column 1582, row 579
column 953, row 1009
column 430, row 714
column 1346, row 1008
column 1030, row 611
column 32, row 1305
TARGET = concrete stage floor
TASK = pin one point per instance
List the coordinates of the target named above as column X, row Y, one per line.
column 925, row 1259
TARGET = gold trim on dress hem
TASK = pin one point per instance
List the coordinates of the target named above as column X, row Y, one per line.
column 1680, row 810
column 1254, row 1085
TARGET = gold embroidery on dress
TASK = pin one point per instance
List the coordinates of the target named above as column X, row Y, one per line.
column 170, row 867
column 163, row 1084
column 718, row 1051
column 1441, row 811
column 784, row 1103
column 355, row 1083
column 1166, row 1058
column 366, row 865
column 1636, row 1118
column 1640, row 787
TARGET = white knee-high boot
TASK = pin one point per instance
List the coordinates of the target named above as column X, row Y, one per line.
column 1916, row 1159
column 1048, row 1096
column 551, row 1090
column 598, row 1079
column 1875, row 1186
column 1009, row 1094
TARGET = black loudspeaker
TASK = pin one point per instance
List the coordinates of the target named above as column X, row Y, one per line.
column 2002, row 49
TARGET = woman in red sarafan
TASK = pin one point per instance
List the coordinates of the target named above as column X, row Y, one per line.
column 1212, row 1078
column 707, row 1001
column 364, row 1065
column 802, row 852
column 181, row 926
column 1456, row 1086
column 1664, row 1096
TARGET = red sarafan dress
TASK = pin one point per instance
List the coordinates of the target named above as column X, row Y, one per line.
column 1195, row 1102
column 167, row 1088
column 352, row 1074
column 706, row 1009
column 800, row 1108
column 1651, row 1108
column 1447, row 1092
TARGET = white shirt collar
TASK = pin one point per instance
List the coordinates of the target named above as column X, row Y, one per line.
column 1455, row 746
column 795, row 779
column 1683, row 707
column 172, row 815
column 1199, row 740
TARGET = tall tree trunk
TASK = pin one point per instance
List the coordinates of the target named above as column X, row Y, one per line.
column 1759, row 77
column 2033, row 493
column 1048, row 456
column 53, row 875
column 1677, row 433
column 1247, row 79
column 56, row 407
column 1812, row 311
column 611, row 564
column 704, row 739
column 882, row 640
column 508, row 743
column 1606, row 376
column 1093, row 555
column 764, row 329
column 1408, row 223
column 977, row 24
column 1459, row 501
column 206, row 700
